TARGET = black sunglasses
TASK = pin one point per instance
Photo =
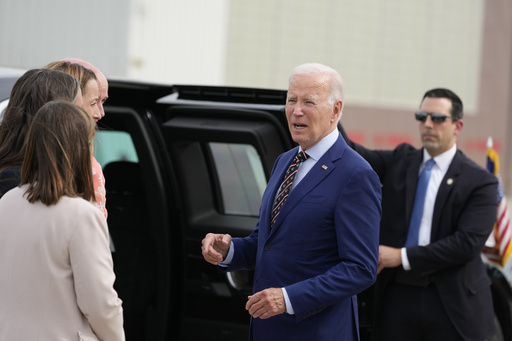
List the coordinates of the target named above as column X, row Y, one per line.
column 436, row 117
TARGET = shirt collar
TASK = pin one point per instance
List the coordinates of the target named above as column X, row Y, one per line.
column 442, row 160
column 319, row 149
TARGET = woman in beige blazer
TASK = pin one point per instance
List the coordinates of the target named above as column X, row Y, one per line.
column 56, row 279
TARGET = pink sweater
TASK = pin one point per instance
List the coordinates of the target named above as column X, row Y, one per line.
column 99, row 187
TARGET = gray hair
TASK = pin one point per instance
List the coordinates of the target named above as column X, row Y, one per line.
column 336, row 88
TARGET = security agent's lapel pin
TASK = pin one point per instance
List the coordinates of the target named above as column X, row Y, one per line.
column 449, row 181
column 324, row 167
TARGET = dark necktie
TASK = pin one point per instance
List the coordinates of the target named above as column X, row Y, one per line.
column 419, row 203
column 287, row 185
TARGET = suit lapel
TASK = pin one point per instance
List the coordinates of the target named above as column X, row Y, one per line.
column 323, row 167
column 446, row 186
column 275, row 182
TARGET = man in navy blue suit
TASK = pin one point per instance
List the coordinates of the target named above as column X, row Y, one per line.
column 315, row 246
column 432, row 283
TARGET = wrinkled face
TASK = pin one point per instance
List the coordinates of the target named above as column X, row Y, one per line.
column 79, row 99
column 91, row 98
column 438, row 137
column 103, row 91
column 310, row 116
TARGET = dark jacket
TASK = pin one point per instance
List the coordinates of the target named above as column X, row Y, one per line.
column 464, row 215
column 9, row 178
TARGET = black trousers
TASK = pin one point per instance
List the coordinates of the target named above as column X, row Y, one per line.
column 414, row 313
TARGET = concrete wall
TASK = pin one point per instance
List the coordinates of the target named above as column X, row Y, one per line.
column 34, row 33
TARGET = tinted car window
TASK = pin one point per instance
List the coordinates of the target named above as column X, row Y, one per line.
column 241, row 177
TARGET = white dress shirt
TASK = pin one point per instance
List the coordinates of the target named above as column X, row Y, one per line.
column 442, row 162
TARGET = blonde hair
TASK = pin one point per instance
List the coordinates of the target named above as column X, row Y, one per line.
column 81, row 73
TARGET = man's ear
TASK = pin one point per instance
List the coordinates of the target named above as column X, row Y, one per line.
column 336, row 111
column 459, row 124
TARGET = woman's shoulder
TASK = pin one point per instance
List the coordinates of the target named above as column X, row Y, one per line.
column 77, row 210
column 79, row 204
column 73, row 208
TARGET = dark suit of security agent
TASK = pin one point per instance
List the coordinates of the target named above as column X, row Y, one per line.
column 436, row 288
column 322, row 249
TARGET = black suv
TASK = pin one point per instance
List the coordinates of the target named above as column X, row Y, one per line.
column 182, row 161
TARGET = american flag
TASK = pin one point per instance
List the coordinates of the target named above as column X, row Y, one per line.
column 498, row 251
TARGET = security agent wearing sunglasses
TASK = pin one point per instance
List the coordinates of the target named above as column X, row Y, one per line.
column 435, row 116
column 436, row 217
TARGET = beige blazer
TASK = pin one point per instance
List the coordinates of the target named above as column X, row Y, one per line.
column 56, row 275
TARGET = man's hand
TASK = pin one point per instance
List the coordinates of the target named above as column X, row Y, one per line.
column 389, row 257
column 266, row 303
column 215, row 247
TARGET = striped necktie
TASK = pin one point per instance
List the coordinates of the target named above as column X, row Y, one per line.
column 285, row 188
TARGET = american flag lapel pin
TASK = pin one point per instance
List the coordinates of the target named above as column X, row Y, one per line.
column 324, row 167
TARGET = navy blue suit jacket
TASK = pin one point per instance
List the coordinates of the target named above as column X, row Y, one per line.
column 323, row 247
